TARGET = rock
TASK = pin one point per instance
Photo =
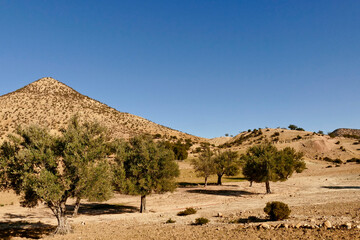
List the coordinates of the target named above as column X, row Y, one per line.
column 264, row 226
column 285, row 225
column 358, row 226
column 219, row 215
column 298, row 225
column 327, row 224
column 82, row 223
column 348, row 225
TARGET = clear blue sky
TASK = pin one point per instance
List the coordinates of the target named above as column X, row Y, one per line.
column 202, row 67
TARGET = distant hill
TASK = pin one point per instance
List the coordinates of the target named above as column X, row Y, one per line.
column 313, row 145
column 343, row 132
column 50, row 103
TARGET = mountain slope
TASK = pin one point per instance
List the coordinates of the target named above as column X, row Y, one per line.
column 313, row 145
column 50, row 103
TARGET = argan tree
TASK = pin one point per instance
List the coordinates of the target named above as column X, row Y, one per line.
column 226, row 163
column 204, row 165
column 37, row 166
column 85, row 153
column 264, row 163
column 147, row 167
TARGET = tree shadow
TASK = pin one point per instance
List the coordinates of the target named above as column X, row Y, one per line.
column 251, row 219
column 230, row 193
column 341, row 187
column 236, row 178
column 24, row 229
column 93, row 209
column 192, row 185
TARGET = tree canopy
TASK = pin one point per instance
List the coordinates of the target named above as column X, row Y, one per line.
column 226, row 163
column 264, row 163
column 41, row 167
column 204, row 165
column 146, row 167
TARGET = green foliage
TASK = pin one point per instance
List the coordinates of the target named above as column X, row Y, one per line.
column 264, row 163
column 179, row 149
column 187, row 211
column 143, row 167
column 201, row 221
column 170, row 221
column 46, row 168
column 226, row 163
column 204, row 165
column 85, row 153
column 277, row 210
column 320, row 132
column 292, row 127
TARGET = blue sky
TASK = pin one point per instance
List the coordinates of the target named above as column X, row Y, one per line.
column 202, row 67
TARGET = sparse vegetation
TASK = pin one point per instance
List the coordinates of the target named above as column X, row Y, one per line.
column 201, row 221
column 187, row 211
column 277, row 210
column 264, row 163
column 170, row 221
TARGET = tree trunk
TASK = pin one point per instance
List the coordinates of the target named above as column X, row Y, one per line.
column 143, row 204
column 77, row 206
column 267, row 184
column 205, row 182
column 251, row 182
column 219, row 179
column 63, row 225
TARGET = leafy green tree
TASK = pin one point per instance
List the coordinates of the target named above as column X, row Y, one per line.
column 37, row 166
column 264, row 163
column 180, row 150
column 226, row 163
column 292, row 127
column 85, row 153
column 204, row 165
column 148, row 168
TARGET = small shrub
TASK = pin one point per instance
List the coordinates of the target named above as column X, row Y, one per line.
column 201, row 221
column 277, row 210
column 187, row 211
column 170, row 221
column 338, row 142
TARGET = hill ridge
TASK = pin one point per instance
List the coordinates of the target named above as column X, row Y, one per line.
column 51, row 103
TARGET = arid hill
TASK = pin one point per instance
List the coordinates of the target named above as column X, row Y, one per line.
column 341, row 132
column 50, row 103
column 313, row 145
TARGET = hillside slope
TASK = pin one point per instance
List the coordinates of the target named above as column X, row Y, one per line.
column 50, row 103
column 313, row 145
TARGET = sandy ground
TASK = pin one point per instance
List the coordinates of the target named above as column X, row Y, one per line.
column 316, row 195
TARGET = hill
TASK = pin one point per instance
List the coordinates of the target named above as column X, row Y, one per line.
column 313, row 145
column 346, row 132
column 50, row 103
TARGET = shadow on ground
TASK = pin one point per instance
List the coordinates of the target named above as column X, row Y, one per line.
column 102, row 208
column 341, row 187
column 251, row 219
column 192, row 185
column 24, row 229
column 232, row 193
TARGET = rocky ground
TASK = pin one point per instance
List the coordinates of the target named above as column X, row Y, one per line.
column 324, row 202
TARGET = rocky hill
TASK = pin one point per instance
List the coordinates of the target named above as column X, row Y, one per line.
column 343, row 132
column 50, row 103
column 313, row 145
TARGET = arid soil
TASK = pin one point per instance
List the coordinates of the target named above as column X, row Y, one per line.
column 314, row 196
